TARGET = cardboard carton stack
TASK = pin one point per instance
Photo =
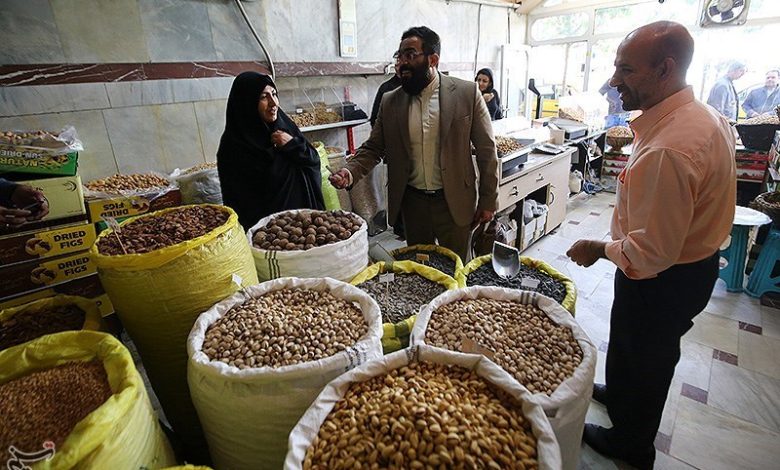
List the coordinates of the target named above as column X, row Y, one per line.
column 49, row 256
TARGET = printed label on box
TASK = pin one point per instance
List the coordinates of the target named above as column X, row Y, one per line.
column 46, row 244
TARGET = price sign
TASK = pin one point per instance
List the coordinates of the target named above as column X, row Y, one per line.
column 387, row 278
column 423, row 258
column 468, row 345
column 112, row 224
column 237, row 280
column 529, row 283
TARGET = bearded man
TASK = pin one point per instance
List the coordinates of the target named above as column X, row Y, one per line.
column 425, row 131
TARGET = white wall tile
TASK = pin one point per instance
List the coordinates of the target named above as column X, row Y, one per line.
column 28, row 33
column 176, row 30
column 211, row 124
column 147, row 92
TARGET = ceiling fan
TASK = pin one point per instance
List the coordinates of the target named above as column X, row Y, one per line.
column 724, row 12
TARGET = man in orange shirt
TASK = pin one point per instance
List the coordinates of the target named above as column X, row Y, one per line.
column 675, row 207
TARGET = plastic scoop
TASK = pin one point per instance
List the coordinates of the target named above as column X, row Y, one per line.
column 506, row 260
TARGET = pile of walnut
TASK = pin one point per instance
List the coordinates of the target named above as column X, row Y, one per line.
column 134, row 182
column 506, row 145
column 157, row 231
column 620, row 131
column 37, row 138
column 290, row 231
column 424, row 416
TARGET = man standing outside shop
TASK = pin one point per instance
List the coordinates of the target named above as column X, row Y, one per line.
column 425, row 131
column 675, row 206
column 723, row 96
column 765, row 99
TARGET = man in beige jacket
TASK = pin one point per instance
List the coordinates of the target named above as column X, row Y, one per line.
column 425, row 130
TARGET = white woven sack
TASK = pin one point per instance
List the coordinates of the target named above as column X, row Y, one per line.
column 342, row 260
column 568, row 404
column 200, row 187
column 308, row 427
column 247, row 415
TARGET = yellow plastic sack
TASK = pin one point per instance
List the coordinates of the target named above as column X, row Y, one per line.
column 395, row 336
column 459, row 277
column 569, row 301
column 121, row 433
column 92, row 318
column 329, row 193
column 159, row 295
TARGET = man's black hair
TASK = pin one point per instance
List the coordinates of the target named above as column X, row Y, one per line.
column 430, row 40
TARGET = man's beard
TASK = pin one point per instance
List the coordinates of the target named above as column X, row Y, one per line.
column 415, row 84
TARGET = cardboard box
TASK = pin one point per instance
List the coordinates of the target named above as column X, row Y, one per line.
column 88, row 287
column 541, row 225
column 123, row 207
column 39, row 274
column 64, row 195
column 46, row 243
column 33, row 160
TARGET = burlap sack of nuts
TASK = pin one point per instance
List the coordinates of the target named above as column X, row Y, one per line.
column 458, row 442
column 340, row 259
column 528, row 361
column 199, row 184
column 159, row 294
column 248, row 412
column 395, row 335
column 38, row 318
column 123, row 432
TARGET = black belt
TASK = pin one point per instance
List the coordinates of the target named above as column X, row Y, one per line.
column 425, row 192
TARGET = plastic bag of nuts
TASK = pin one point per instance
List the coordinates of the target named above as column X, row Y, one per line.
column 484, row 416
column 185, row 262
column 530, row 336
column 42, row 317
column 316, row 245
column 258, row 359
column 122, row 432
column 125, row 185
column 199, row 184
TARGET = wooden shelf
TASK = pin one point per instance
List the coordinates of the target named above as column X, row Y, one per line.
column 335, row 125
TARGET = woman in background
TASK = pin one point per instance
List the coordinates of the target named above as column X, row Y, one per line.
column 484, row 80
column 265, row 164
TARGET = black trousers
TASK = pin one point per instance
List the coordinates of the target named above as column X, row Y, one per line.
column 648, row 319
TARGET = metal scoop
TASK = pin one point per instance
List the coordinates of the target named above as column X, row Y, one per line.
column 506, row 260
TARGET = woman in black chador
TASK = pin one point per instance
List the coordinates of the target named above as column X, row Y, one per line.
column 484, row 80
column 265, row 164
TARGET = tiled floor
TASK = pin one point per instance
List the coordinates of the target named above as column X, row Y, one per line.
column 723, row 409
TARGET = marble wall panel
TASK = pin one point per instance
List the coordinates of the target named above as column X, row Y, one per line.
column 115, row 33
column 233, row 39
column 211, row 124
column 316, row 31
column 19, row 100
column 97, row 158
column 274, row 22
column 177, row 31
column 372, row 40
column 154, row 138
column 28, row 33
column 201, row 89
column 147, row 92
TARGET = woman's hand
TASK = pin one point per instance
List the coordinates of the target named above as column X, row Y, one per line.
column 488, row 97
column 280, row 138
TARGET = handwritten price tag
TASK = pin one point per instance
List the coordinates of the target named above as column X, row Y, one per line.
column 112, row 224
column 237, row 280
column 423, row 258
column 468, row 345
column 387, row 278
column 529, row 283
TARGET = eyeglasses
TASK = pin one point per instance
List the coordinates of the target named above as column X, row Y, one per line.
column 407, row 56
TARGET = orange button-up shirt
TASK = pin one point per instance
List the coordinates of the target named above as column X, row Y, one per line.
column 677, row 195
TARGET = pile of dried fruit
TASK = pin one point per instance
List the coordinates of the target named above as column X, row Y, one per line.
column 157, row 231
column 549, row 286
column 303, row 119
column 435, row 260
column 134, row 182
column 33, row 323
column 202, row 166
column 36, row 138
column 424, row 416
column 403, row 297
column 283, row 328
column 524, row 341
column 47, row 405
column 766, row 118
column 506, row 145
column 620, row 131
column 302, row 231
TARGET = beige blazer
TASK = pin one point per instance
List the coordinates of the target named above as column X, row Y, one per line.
column 464, row 121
